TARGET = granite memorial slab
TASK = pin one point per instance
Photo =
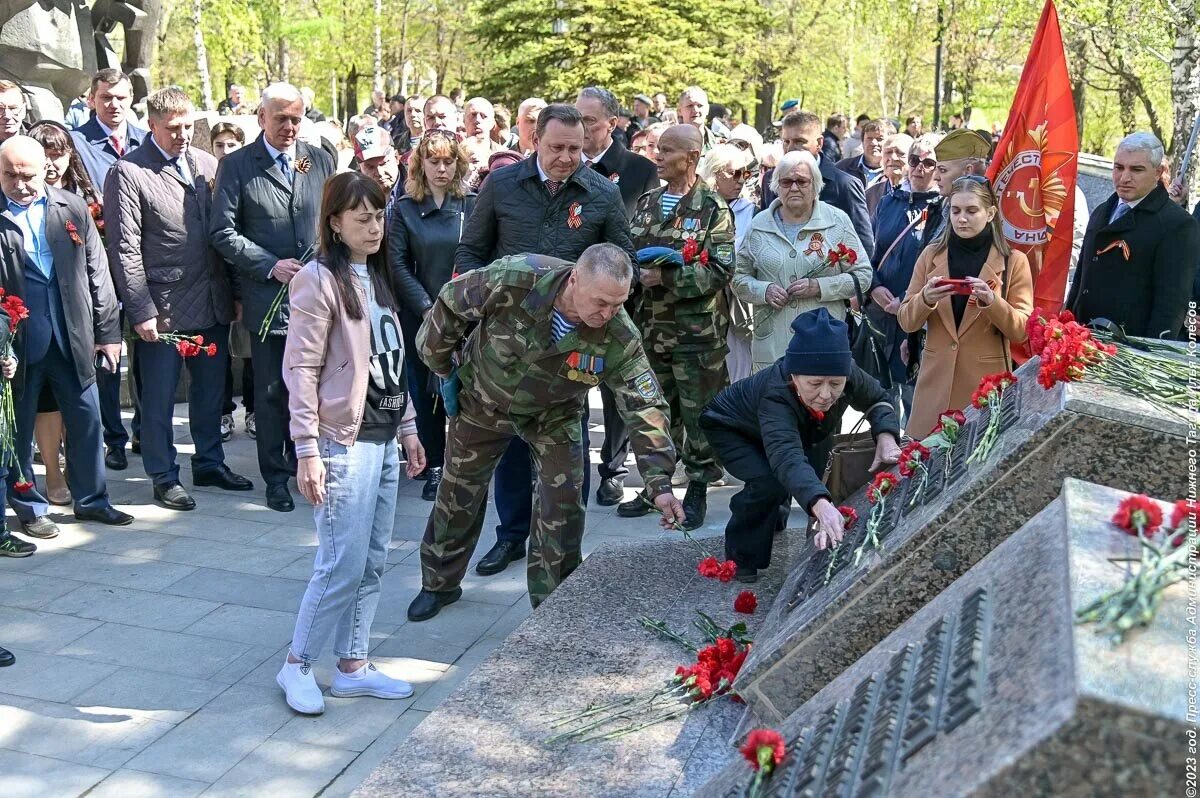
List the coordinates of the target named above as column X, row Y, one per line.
column 583, row 645
column 831, row 611
column 993, row 689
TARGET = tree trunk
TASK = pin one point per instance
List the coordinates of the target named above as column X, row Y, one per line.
column 378, row 45
column 284, row 66
column 764, row 111
column 206, row 97
column 350, row 94
column 1185, row 89
column 1078, row 69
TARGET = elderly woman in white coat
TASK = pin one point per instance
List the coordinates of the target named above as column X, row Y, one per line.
column 784, row 267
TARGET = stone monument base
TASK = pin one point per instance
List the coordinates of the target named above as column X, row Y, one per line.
column 583, row 645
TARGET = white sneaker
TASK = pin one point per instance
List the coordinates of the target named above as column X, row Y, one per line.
column 226, row 427
column 300, row 687
column 368, row 681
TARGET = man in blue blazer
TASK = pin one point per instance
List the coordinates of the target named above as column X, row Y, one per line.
column 100, row 141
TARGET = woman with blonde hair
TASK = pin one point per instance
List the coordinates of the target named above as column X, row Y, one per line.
column 973, row 293
column 425, row 228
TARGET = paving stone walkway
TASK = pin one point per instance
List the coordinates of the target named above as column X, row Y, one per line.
column 146, row 655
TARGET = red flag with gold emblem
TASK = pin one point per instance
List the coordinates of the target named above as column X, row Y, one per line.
column 1036, row 162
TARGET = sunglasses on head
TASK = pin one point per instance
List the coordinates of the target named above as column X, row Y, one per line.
column 915, row 161
column 740, row 174
column 980, row 179
column 437, row 131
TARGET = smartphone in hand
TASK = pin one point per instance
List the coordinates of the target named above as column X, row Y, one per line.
column 960, row 286
column 103, row 363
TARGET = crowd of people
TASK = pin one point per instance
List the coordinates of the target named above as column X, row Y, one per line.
column 440, row 287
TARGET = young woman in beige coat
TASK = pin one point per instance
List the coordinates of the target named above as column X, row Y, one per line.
column 968, row 335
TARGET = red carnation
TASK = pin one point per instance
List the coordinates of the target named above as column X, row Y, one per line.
column 851, row 257
column 1138, row 514
column 198, row 340
column 709, row 567
column 911, row 456
column 22, row 487
column 690, row 250
column 834, row 257
column 745, row 603
column 728, row 571
column 211, row 350
column 16, row 310
column 764, row 749
column 704, row 257
column 1185, row 509
column 884, row 482
column 849, row 514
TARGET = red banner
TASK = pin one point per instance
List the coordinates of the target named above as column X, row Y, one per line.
column 1036, row 163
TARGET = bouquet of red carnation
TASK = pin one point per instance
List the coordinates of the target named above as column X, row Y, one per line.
column 885, row 482
column 691, row 252
column 912, row 465
column 764, row 749
column 989, row 395
column 712, row 568
column 188, row 345
column 850, row 517
column 15, row 308
column 1162, row 564
column 1067, row 348
column 833, row 261
column 945, row 434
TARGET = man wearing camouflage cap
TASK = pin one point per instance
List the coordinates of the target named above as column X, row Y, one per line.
column 546, row 332
column 684, row 234
column 962, row 152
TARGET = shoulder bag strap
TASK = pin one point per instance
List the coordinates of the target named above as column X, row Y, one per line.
column 1008, row 364
column 923, row 215
column 867, row 412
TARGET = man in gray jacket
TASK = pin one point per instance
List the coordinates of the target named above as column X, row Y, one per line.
column 264, row 222
column 156, row 206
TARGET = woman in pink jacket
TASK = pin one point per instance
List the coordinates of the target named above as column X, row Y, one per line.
column 344, row 370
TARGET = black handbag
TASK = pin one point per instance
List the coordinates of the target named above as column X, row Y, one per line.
column 868, row 344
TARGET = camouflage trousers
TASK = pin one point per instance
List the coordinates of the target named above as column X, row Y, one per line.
column 689, row 381
column 475, row 441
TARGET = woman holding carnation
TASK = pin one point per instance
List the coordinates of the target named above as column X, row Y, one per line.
column 969, row 333
column 774, row 431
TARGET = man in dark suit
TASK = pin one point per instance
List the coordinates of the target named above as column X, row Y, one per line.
column 52, row 257
column 264, row 222
column 800, row 130
column 100, row 141
column 156, row 205
column 837, row 128
column 1139, row 255
column 549, row 204
column 634, row 176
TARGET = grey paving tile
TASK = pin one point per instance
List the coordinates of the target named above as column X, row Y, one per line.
column 246, row 625
column 244, row 664
column 50, row 677
column 351, row 724
column 133, row 607
column 235, row 557
column 102, row 738
column 24, row 775
column 46, row 632
column 267, row 592
column 160, row 696
column 30, row 591
column 108, row 569
column 278, row 768
column 156, row 650
column 461, row 623
column 369, row 759
column 448, row 682
column 410, row 641
column 136, row 784
column 218, row 736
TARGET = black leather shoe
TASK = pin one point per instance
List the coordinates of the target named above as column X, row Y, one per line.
column 496, row 560
column 279, row 499
column 695, row 505
column 610, row 492
column 174, row 497
column 636, row 507
column 432, row 480
column 105, row 515
column 221, row 477
column 135, row 445
column 429, row 603
column 746, row 574
column 6, row 658
column 115, row 459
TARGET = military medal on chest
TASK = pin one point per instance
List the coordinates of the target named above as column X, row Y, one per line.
column 585, row 368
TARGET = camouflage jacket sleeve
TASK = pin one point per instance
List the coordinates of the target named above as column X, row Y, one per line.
column 641, row 403
column 460, row 302
column 697, row 279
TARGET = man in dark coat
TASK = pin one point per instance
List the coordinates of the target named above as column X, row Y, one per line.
column 774, row 431
column 156, row 207
column 1139, row 257
column 800, row 131
column 100, row 141
column 52, row 257
column 837, row 128
column 265, row 212
column 634, row 176
column 548, row 204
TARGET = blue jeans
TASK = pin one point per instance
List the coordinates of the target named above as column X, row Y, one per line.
column 354, row 528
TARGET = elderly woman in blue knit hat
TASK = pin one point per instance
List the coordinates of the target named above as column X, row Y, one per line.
column 774, row 431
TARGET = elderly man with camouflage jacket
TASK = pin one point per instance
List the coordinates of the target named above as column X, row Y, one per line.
column 546, row 332
column 684, row 235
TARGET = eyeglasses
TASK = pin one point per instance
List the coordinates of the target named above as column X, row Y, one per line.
column 927, row 163
column 980, row 179
column 787, row 183
column 739, row 174
column 12, row 110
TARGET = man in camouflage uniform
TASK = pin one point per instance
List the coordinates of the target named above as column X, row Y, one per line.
column 546, row 332
column 681, row 308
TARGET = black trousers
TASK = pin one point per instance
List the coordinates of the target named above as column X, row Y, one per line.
column 276, row 451
column 108, row 385
column 247, row 386
column 615, row 448
column 761, row 508
column 431, row 411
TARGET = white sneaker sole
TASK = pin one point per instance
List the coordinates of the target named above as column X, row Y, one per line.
column 320, row 710
column 356, row 692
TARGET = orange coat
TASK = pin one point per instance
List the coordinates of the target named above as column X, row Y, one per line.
column 957, row 358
